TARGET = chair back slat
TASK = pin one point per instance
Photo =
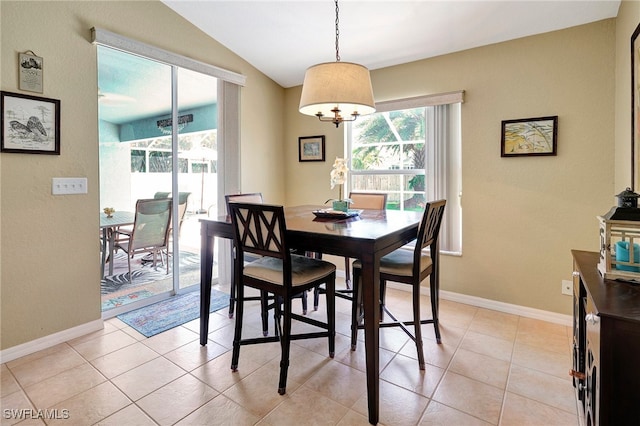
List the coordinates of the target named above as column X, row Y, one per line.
column 151, row 223
column 368, row 200
column 430, row 224
column 259, row 229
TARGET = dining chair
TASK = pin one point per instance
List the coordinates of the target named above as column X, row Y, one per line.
column 183, row 199
column 260, row 229
column 408, row 267
column 150, row 232
column 364, row 201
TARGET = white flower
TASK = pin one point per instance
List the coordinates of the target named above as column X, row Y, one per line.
column 339, row 172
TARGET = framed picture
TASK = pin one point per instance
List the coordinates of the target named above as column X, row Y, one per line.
column 529, row 136
column 635, row 105
column 30, row 124
column 30, row 72
column 311, row 148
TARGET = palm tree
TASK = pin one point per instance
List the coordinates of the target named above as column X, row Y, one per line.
column 395, row 126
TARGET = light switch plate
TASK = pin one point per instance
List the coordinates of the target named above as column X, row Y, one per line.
column 62, row 186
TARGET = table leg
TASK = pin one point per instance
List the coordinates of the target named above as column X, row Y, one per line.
column 206, row 266
column 112, row 242
column 104, row 251
column 371, row 303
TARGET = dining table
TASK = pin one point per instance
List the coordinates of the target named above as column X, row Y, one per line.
column 367, row 237
column 108, row 225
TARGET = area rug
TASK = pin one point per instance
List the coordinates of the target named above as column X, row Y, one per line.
column 170, row 313
column 116, row 302
column 142, row 272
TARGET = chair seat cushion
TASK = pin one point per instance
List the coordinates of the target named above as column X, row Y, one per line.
column 304, row 270
column 400, row 262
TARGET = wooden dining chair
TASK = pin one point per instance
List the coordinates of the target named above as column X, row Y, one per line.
column 260, row 229
column 364, row 201
column 150, row 232
column 412, row 268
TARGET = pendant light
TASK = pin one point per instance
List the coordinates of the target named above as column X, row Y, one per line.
column 334, row 88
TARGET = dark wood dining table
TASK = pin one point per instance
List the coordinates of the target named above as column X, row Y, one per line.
column 367, row 237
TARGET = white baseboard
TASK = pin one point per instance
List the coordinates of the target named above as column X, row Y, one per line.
column 523, row 311
column 28, row 348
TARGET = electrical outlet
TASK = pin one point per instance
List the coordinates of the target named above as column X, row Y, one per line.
column 567, row 287
column 61, row 186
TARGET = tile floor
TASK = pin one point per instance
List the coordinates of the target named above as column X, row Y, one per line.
column 491, row 368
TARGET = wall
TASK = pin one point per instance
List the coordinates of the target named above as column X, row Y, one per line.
column 521, row 216
column 49, row 251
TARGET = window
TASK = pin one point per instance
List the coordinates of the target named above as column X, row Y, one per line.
column 410, row 149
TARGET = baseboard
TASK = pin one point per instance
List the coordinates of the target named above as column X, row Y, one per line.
column 523, row 311
column 36, row 345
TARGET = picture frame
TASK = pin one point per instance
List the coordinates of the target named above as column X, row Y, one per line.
column 529, row 137
column 635, row 105
column 29, row 124
column 31, row 72
column 311, row 148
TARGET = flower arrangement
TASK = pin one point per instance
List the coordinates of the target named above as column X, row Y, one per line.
column 109, row 211
column 339, row 175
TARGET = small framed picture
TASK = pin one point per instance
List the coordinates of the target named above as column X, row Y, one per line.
column 529, row 136
column 31, row 72
column 30, row 124
column 311, row 148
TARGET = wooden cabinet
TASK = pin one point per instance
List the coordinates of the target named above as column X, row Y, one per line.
column 606, row 339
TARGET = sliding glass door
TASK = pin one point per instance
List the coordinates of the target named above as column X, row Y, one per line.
column 158, row 139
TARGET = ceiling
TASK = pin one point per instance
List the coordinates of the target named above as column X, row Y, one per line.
column 283, row 38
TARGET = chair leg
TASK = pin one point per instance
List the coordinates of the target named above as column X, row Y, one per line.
column 304, row 302
column 285, row 342
column 347, row 273
column 383, row 293
column 435, row 302
column 331, row 314
column 129, row 266
column 264, row 305
column 316, row 298
column 417, row 326
column 356, row 308
column 232, row 296
column 238, row 331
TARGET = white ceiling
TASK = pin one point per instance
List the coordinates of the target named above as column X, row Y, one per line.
column 283, row 38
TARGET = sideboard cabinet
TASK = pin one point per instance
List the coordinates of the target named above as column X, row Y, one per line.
column 606, row 345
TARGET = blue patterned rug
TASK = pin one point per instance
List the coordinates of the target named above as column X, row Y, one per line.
column 170, row 313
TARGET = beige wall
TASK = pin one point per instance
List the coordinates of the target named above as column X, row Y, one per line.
column 521, row 216
column 49, row 252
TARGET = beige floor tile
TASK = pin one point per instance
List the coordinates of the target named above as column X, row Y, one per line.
column 18, row 405
column 303, row 363
column 488, row 345
column 258, row 392
column 405, row 372
column 483, row 368
column 496, row 324
column 65, row 385
column 339, row 383
column 220, row 411
column 438, row 414
column 130, row 415
column 102, row 345
column 176, row 400
column 117, row 362
column 171, row 339
column 109, row 327
column 306, row 407
column 456, row 314
column 543, row 388
column 398, row 406
column 134, row 333
column 470, row 396
column 42, row 368
column 531, row 325
column 8, row 383
column 553, row 342
column 357, row 359
column 93, row 405
column 37, row 355
column 521, row 411
column 555, row 363
column 147, row 377
column 353, row 418
column 436, row 354
column 193, row 355
column 217, row 372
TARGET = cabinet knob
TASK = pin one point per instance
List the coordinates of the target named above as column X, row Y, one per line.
column 592, row 318
column 575, row 273
column 582, row 387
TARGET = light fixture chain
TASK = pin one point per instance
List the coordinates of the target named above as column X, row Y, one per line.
column 337, row 34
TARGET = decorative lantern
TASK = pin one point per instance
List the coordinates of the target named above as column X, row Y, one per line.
column 620, row 240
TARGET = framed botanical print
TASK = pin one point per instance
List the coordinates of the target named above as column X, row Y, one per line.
column 311, row 148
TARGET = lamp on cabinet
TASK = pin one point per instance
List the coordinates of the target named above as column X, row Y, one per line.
column 620, row 239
